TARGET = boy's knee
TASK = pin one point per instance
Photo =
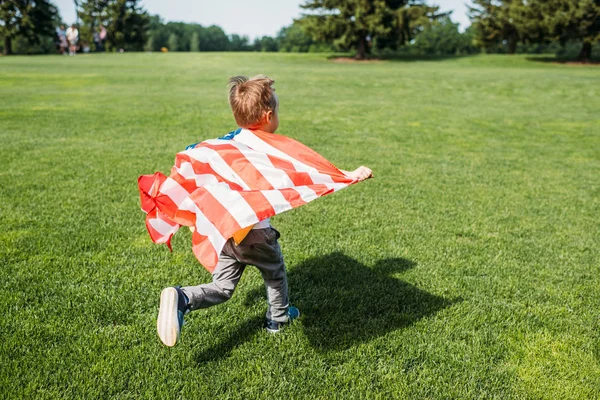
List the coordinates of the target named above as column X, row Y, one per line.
column 225, row 291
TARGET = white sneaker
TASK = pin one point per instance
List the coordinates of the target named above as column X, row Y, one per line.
column 170, row 318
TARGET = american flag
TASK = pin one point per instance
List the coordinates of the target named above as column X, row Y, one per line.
column 219, row 187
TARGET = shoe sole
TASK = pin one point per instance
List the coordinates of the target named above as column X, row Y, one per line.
column 167, row 324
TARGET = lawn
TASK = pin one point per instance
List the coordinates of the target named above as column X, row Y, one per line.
column 468, row 268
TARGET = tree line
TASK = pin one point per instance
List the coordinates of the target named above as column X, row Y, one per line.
column 506, row 24
column 362, row 26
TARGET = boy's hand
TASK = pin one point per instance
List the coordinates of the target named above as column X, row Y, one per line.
column 361, row 173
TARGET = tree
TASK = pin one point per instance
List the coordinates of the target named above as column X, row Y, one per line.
column 125, row 21
column 195, row 42
column 214, row 39
column 537, row 21
column 239, row 43
column 172, row 43
column 149, row 44
column 411, row 20
column 265, row 43
column 443, row 38
column 31, row 19
column 360, row 23
column 293, row 38
column 567, row 20
column 494, row 24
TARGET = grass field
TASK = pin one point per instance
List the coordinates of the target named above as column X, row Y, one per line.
column 468, row 268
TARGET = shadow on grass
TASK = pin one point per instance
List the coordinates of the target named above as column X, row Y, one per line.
column 241, row 334
column 397, row 58
column 343, row 303
column 563, row 60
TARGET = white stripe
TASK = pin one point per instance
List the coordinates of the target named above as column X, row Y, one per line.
column 210, row 156
column 306, row 193
column 174, row 190
column 162, row 227
column 233, row 201
column 207, row 228
column 203, row 225
column 186, row 170
column 278, row 202
column 254, row 142
column 278, row 178
column 337, row 186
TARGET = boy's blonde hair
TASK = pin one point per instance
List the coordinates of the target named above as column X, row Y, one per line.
column 251, row 98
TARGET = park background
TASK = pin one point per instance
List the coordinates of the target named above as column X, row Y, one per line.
column 384, row 28
column 467, row 268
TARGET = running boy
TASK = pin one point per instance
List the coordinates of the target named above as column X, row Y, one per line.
column 255, row 106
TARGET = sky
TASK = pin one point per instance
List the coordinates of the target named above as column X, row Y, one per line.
column 253, row 18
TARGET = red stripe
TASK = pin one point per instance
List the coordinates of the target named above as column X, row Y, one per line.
column 215, row 212
column 155, row 235
column 201, row 168
column 188, row 184
column 204, row 251
column 148, row 186
column 298, row 178
column 304, row 154
column 320, row 189
column 259, row 204
column 293, row 197
column 241, row 165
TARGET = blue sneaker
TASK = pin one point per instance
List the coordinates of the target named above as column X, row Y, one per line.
column 173, row 306
column 274, row 327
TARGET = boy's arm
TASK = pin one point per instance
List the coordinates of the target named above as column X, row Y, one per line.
column 361, row 173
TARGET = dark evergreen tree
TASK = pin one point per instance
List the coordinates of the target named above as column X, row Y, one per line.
column 443, row 38
column 494, row 25
column 239, row 43
column 33, row 20
column 504, row 23
column 358, row 24
column 567, row 20
column 125, row 21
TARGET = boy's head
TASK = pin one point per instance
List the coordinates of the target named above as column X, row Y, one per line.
column 254, row 102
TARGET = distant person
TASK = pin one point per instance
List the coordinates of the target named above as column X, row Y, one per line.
column 97, row 40
column 73, row 38
column 62, row 40
column 255, row 108
column 102, row 37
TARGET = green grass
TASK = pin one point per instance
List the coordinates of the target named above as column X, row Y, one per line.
column 468, row 268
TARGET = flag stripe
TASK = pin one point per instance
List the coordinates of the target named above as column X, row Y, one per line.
column 298, row 178
column 260, row 204
column 235, row 203
column 199, row 168
column 214, row 211
column 241, row 163
column 204, row 154
column 277, row 176
column 277, row 200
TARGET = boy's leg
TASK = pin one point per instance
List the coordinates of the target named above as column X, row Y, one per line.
column 261, row 249
column 226, row 276
column 176, row 301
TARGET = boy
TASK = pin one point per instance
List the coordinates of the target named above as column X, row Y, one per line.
column 255, row 106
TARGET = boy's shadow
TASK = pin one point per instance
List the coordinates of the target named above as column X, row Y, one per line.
column 343, row 303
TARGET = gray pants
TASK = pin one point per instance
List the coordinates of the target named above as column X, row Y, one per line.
column 259, row 248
